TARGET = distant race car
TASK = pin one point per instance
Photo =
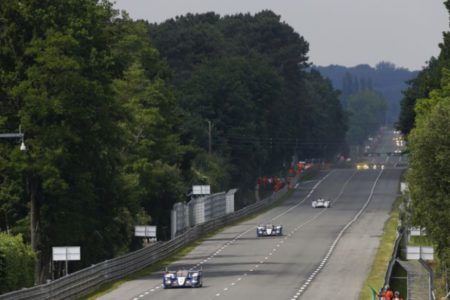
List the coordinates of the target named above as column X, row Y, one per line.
column 269, row 230
column 182, row 278
column 321, row 202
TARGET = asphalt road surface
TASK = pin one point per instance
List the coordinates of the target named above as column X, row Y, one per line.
column 323, row 254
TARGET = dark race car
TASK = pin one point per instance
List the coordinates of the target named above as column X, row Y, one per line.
column 269, row 230
column 182, row 278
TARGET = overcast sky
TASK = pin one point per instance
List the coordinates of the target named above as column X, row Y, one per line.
column 344, row 32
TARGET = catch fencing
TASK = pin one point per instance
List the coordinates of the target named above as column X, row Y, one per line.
column 431, row 294
column 80, row 283
column 200, row 210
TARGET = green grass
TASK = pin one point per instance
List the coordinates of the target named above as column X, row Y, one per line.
column 384, row 254
column 439, row 277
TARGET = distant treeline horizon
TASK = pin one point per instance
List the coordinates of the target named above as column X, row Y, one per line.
column 385, row 78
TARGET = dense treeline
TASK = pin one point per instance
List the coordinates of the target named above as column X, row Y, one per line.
column 366, row 110
column 246, row 75
column 100, row 126
column 116, row 115
column 425, row 118
column 427, row 80
column 385, row 78
column 370, row 95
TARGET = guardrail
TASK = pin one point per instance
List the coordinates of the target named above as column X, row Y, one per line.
column 431, row 294
column 80, row 283
column 387, row 277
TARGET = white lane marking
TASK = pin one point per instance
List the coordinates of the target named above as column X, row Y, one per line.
column 310, row 220
column 252, row 228
column 274, row 218
column 330, row 251
column 304, row 199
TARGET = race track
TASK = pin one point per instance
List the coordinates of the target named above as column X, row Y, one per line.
column 323, row 253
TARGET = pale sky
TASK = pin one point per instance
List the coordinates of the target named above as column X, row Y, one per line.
column 344, row 32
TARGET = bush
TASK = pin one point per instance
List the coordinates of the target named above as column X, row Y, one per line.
column 16, row 263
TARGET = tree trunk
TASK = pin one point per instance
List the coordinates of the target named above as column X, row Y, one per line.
column 34, row 230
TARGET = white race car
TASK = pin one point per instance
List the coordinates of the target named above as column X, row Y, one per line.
column 321, row 202
column 269, row 230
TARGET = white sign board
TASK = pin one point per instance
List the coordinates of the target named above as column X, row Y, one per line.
column 201, row 189
column 145, row 231
column 66, row 253
column 417, row 231
column 416, row 252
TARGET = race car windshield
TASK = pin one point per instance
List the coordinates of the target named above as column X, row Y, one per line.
column 183, row 273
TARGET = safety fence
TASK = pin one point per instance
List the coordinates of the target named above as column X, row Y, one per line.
column 80, row 283
column 200, row 210
column 395, row 251
column 426, row 287
column 431, row 293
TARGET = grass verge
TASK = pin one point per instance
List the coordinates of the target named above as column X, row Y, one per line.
column 439, row 277
column 384, row 253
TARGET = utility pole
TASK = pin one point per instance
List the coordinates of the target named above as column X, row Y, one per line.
column 209, row 135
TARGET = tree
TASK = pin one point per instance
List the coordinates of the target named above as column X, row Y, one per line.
column 245, row 74
column 429, row 176
column 58, row 88
column 366, row 114
column 326, row 119
column 420, row 87
column 152, row 149
column 237, row 95
column 16, row 263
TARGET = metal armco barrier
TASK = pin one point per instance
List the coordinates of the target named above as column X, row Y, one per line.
column 387, row 277
column 80, row 283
